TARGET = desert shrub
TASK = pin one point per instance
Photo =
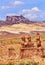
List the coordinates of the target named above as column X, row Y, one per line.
column 21, row 63
column 28, row 63
column 10, row 64
column 35, row 63
column 31, row 63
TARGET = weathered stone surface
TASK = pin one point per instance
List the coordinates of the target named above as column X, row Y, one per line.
column 11, row 52
column 29, row 50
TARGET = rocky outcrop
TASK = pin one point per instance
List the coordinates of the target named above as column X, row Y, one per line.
column 10, row 20
column 29, row 50
column 16, row 19
column 13, row 51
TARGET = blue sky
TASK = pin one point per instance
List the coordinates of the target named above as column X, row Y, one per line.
column 31, row 9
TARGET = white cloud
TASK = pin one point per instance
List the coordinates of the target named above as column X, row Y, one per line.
column 31, row 16
column 34, row 13
column 25, row 10
column 18, row 3
column 15, row 3
column 35, row 9
column 5, row 7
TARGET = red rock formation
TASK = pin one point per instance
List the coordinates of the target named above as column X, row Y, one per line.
column 38, row 41
column 29, row 50
column 29, row 42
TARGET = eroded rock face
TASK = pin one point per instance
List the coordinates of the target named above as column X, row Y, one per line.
column 38, row 41
column 12, row 51
column 16, row 19
column 29, row 50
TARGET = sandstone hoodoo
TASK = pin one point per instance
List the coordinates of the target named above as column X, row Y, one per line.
column 29, row 42
column 29, row 50
column 38, row 41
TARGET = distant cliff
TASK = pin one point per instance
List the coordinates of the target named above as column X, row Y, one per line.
column 16, row 19
column 10, row 20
